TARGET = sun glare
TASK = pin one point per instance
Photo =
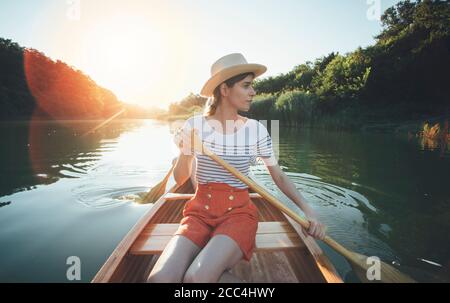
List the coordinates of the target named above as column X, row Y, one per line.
column 126, row 55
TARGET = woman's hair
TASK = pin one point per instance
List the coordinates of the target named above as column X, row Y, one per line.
column 213, row 102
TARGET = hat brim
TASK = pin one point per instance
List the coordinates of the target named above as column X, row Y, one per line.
column 227, row 73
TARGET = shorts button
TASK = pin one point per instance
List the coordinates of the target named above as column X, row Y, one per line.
column 230, row 208
column 231, row 197
column 207, row 206
column 209, row 196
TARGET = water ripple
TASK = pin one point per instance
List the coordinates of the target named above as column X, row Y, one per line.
column 95, row 196
column 329, row 194
column 345, row 212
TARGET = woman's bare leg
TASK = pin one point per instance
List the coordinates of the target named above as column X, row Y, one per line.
column 228, row 277
column 174, row 260
column 220, row 254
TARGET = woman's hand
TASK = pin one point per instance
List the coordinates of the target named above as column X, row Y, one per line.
column 316, row 229
column 183, row 163
column 183, row 141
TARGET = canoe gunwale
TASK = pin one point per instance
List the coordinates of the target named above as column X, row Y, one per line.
column 108, row 269
column 320, row 261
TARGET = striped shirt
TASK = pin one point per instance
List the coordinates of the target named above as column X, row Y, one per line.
column 240, row 149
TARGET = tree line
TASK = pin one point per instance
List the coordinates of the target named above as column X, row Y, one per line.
column 403, row 76
column 31, row 82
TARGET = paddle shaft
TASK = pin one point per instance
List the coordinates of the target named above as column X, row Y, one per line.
column 199, row 146
column 159, row 189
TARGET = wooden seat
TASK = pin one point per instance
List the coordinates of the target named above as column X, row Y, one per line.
column 177, row 196
column 270, row 236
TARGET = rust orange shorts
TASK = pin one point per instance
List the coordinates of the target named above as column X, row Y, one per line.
column 218, row 208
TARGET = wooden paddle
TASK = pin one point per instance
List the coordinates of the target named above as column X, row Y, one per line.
column 388, row 273
column 158, row 190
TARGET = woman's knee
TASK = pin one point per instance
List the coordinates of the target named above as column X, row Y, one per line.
column 162, row 276
column 199, row 274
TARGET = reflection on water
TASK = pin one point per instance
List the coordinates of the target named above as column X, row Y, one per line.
column 43, row 152
column 62, row 195
column 442, row 145
column 379, row 195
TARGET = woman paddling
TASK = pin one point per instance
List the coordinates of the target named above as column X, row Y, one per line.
column 219, row 223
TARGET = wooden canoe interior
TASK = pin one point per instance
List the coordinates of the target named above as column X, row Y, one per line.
column 271, row 236
column 282, row 253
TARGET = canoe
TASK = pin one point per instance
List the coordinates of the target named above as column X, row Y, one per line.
column 282, row 254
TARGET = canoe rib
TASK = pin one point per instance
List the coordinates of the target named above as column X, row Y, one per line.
column 305, row 264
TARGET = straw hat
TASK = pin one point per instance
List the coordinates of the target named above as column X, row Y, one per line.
column 227, row 67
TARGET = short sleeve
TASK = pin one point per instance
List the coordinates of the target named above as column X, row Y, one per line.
column 188, row 124
column 194, row 122
column 191, row 123
column 264, row 148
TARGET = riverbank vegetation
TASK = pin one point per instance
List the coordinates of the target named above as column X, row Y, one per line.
column 397, row 83
column 32, row 84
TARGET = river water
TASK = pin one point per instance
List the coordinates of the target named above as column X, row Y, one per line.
column 66, row 193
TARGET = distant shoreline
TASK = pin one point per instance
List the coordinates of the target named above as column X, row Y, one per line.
column 393, row 127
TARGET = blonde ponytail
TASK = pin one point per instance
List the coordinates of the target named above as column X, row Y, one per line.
column 210, row 106
column 212, row 103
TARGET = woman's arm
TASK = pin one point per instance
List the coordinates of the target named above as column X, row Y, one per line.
column 192, row 173
column 184, row 162
column 286, row 185
column 183, row 168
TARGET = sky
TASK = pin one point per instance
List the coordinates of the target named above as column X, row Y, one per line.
column 155, row 52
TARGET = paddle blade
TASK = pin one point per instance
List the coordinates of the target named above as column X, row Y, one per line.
column 155, row 193
column 371, row 270
column 158, row 190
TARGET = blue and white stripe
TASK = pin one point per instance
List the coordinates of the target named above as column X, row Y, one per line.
column 239, row 150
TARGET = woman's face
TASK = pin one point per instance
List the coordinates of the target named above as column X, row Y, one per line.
column 241, row 94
